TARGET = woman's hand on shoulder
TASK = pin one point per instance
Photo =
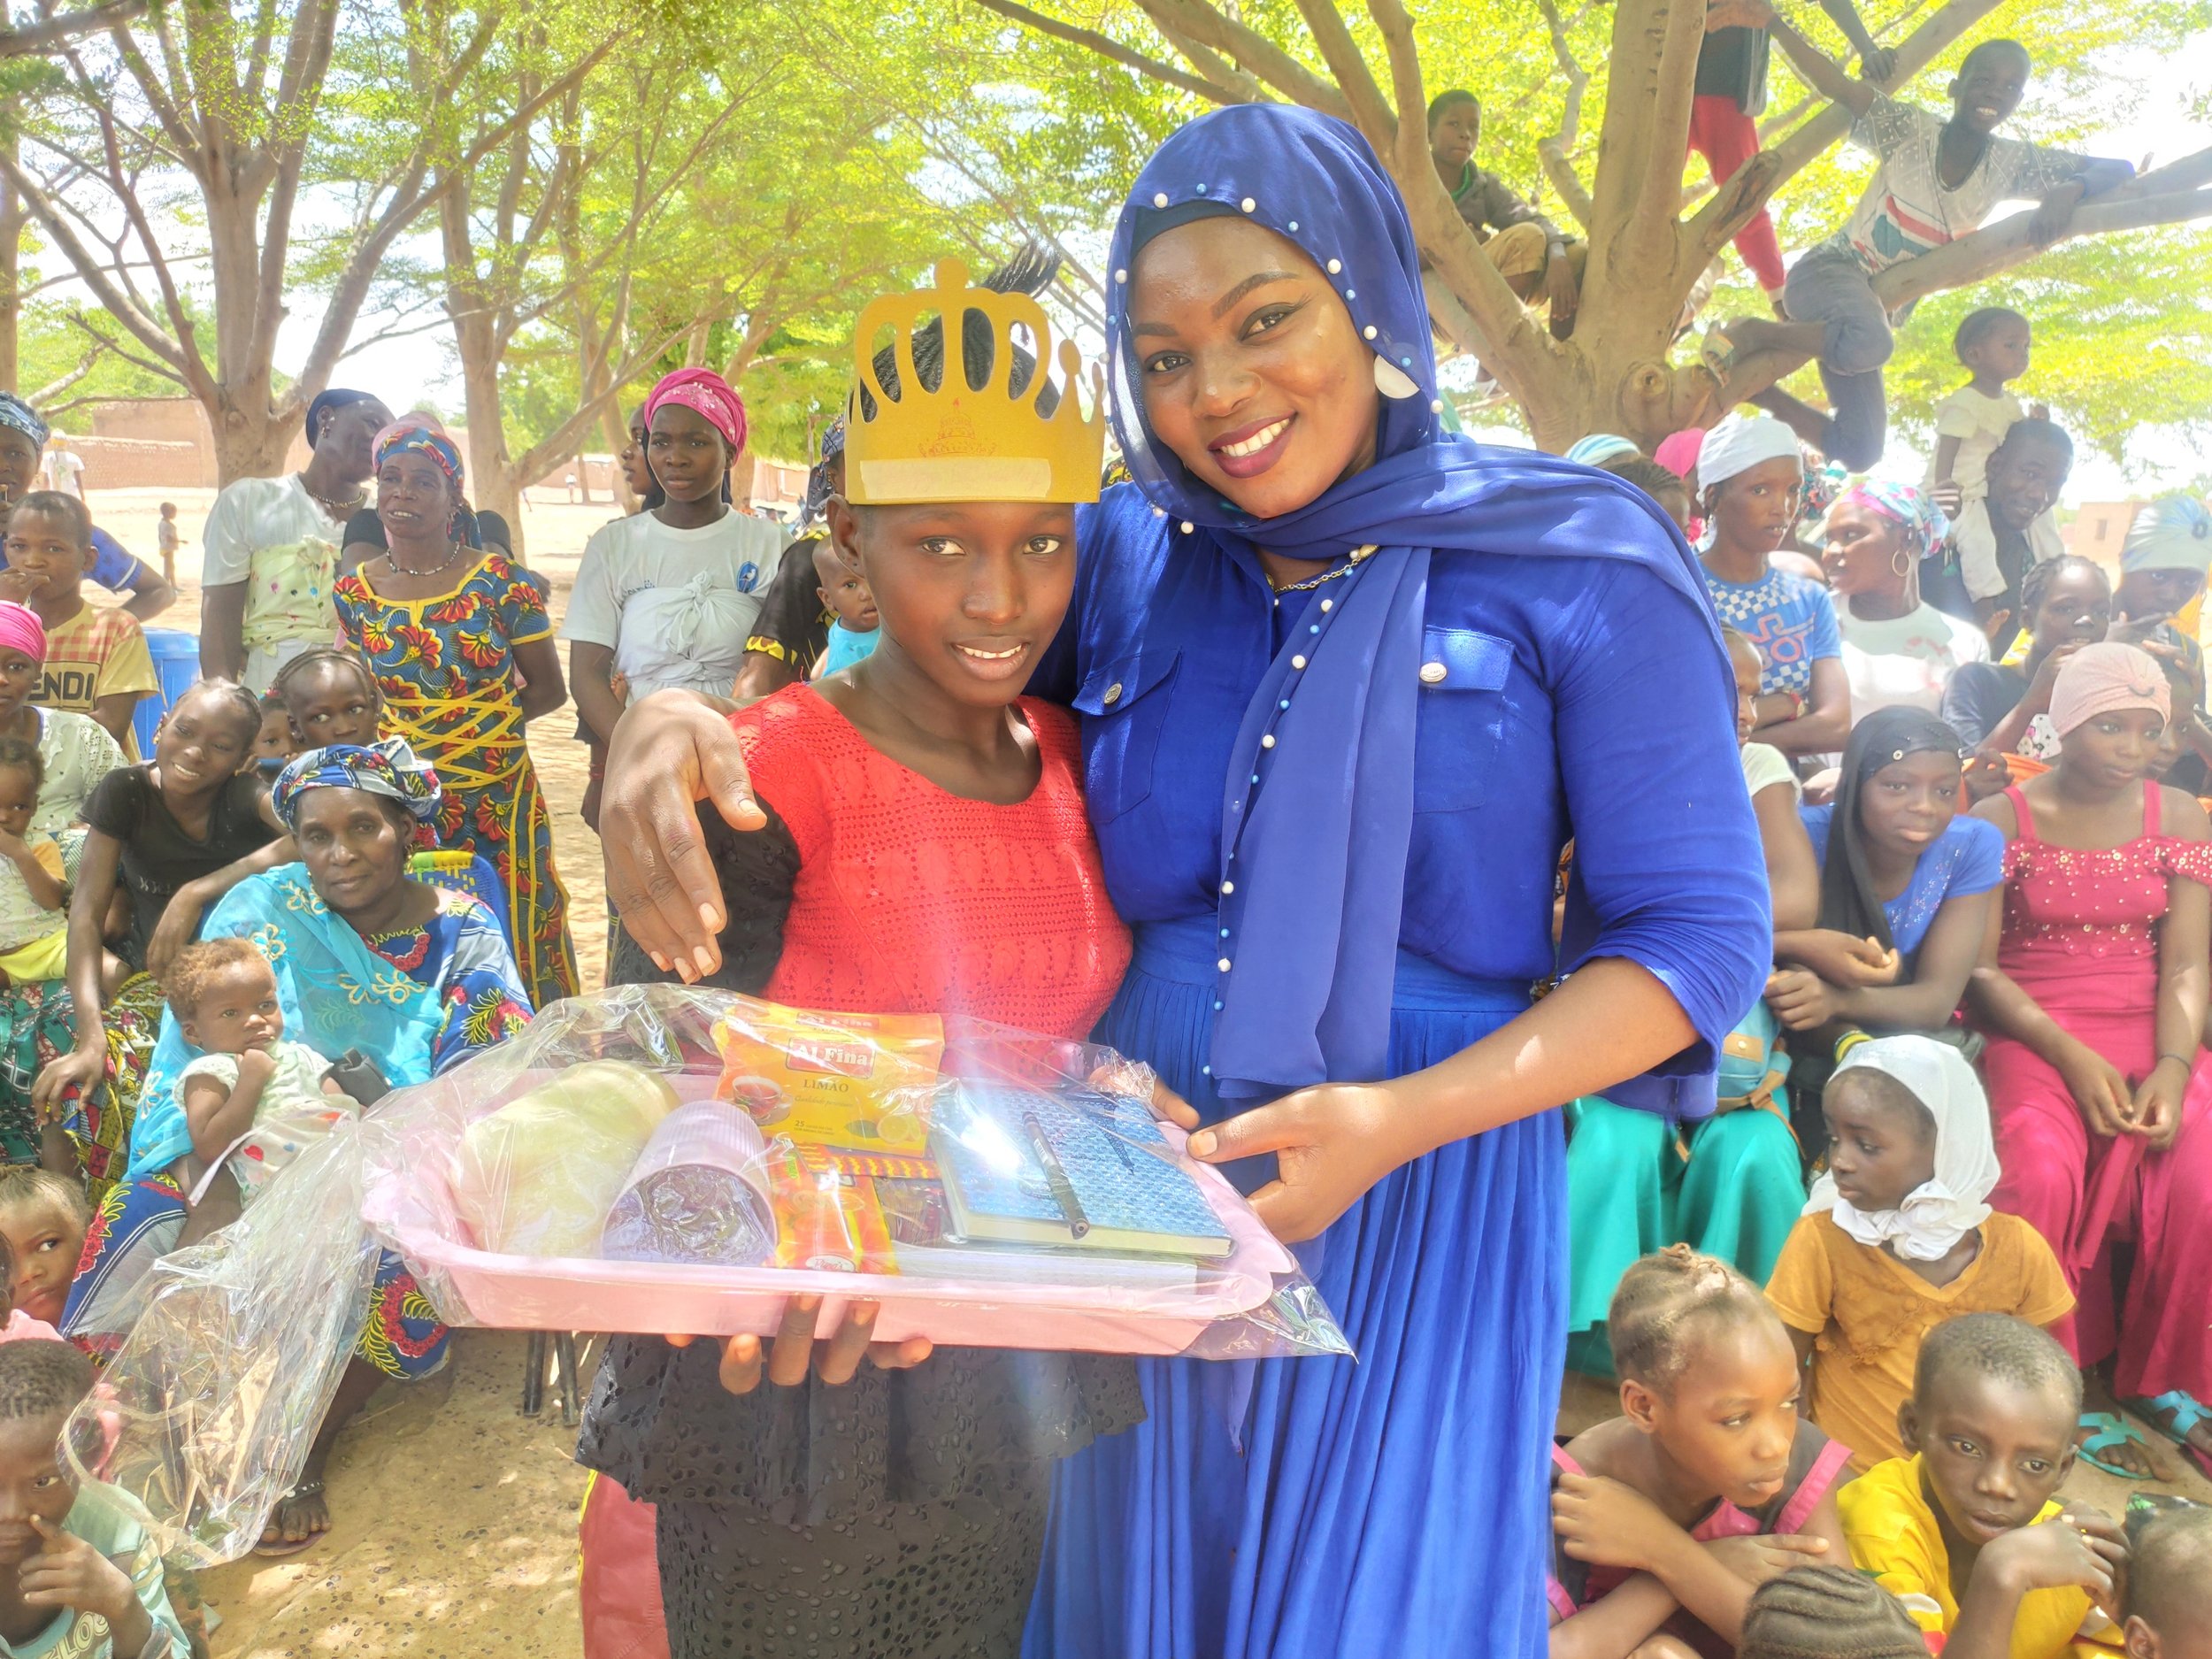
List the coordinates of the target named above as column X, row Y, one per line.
column 1609, row 1524
column 1332, row 1142
column 795, row 1349
column 667, row 753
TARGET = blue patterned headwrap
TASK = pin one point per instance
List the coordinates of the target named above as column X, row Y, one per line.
column 1599, row 448
column 1922, row 521
column 1321, row 841
column 20, row 415
column 386, row 768
column 418, row 434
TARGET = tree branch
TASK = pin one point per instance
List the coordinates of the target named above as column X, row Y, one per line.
column 51, row 33
column 1108, row 48
column 1371, row 112
column 1250, row 50
column 1555, row 152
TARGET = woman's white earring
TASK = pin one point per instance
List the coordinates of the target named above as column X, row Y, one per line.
column 1392, row 381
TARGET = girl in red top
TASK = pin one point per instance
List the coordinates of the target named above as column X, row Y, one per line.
column 2092, row 990
column 925, row 851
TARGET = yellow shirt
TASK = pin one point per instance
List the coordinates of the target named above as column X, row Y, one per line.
column 1867, row 1312
column 1891, row 1526
column 100, row 652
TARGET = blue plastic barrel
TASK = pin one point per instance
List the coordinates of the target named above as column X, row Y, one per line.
column 176, row 664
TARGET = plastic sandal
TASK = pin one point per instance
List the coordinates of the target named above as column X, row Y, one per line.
column 2109, row 1431
column 279, row 1548
column 2186, row 1414
column 1716, row 351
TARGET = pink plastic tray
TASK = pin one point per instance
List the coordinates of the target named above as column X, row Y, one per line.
column 412, row 1211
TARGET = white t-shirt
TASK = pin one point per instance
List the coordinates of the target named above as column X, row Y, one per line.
column 673, row 605
column 1980, row 424
column 269, row 534
column 1906, row 212
column 1764, row 766
column 1907, row 661
column 64, row 471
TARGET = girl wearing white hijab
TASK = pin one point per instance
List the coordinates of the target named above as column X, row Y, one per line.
column 1898, row 1236
column 1749, row 475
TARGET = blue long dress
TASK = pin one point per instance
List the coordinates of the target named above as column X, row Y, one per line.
column 1393, row 1505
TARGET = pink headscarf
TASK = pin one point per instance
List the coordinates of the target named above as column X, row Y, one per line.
column 2101, row 678
column 21, row 630
column 1678, row 452
column 710, row 395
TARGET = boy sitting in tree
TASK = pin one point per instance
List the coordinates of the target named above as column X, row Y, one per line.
column 1938, row 181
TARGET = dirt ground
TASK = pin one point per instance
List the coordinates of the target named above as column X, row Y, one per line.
column 454, row 1533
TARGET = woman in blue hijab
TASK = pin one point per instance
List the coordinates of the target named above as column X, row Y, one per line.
column 1348, row 684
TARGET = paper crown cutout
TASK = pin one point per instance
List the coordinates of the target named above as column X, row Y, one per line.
column 956, row 443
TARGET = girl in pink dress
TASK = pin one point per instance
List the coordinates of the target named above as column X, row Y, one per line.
column 2092, row 990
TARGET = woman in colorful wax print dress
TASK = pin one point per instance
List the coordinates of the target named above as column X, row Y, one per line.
column 453, row 633
column 346, row 918
column 1420, row 666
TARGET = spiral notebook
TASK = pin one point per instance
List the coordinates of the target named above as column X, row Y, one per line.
column 1066, row 1168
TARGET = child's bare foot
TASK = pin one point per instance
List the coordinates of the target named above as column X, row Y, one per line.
column 1659, row 1645
column 301, row 1516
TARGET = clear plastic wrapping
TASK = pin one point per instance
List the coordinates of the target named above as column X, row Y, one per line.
column 210, row 1406
column 661, row 1160
column 658, row 1159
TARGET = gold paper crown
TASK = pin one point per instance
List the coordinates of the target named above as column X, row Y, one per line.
column 957, row 444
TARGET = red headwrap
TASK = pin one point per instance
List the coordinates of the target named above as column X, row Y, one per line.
column 707, row 394
column 21, row 630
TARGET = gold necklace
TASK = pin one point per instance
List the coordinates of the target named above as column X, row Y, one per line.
column 337, row 509
column 452, row 553
column 1345, row 569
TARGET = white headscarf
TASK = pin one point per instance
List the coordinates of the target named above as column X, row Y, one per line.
column 1937, row 1215
column 1741, row 442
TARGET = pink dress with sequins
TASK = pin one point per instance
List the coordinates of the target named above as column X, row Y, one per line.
column 2081, row 937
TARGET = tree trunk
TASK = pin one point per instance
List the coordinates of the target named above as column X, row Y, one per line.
column 12, row 218
column 492, row 481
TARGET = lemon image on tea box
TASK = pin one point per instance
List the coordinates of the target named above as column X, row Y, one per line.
column 832, row 1080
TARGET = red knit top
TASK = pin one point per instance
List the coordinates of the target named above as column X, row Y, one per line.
column 909, row 900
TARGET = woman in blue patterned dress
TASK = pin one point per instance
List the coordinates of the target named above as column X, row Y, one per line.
column 417, row 977
column 1348, row 684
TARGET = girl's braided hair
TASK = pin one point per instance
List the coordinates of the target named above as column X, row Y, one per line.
column 1659, row 1300
column 2036, row 585
column 1828, row 1612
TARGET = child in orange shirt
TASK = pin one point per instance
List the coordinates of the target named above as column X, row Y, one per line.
column 1897, row 1237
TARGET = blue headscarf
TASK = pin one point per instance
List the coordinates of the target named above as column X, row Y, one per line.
column 386, row 767
column 17, row 413
column 1320, row 866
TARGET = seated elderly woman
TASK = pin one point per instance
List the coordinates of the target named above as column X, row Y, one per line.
column 346, row 917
